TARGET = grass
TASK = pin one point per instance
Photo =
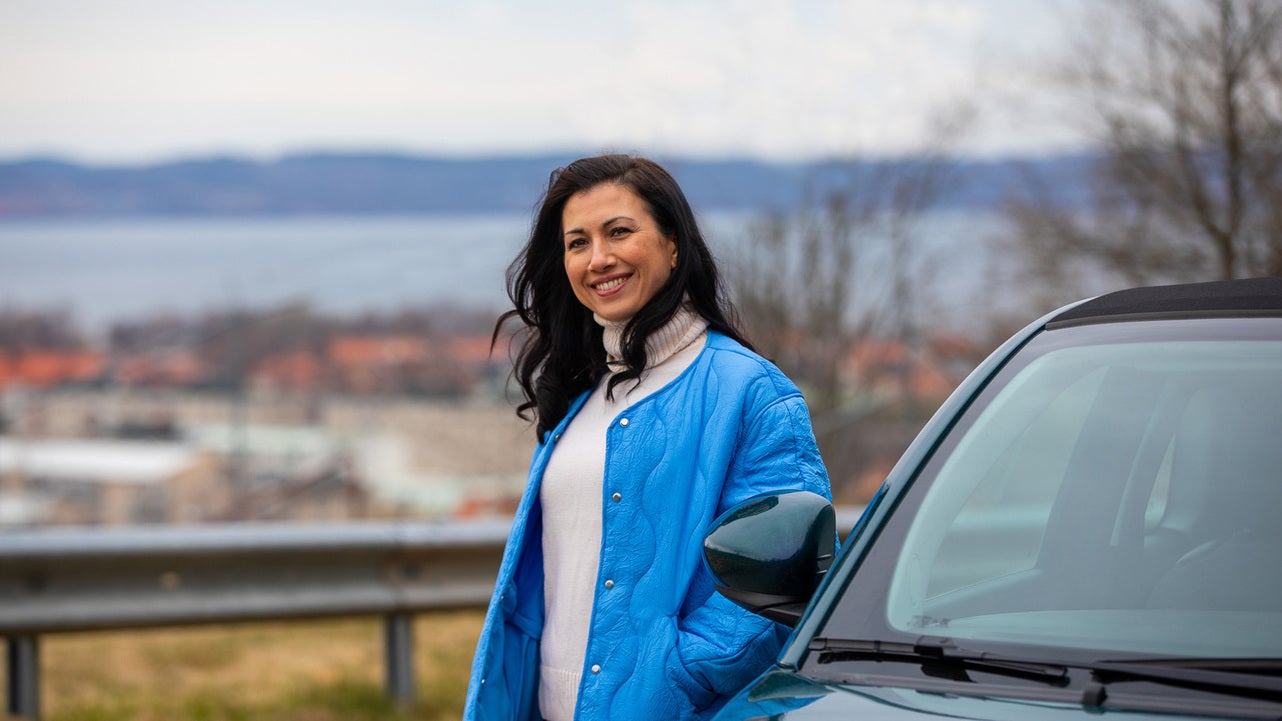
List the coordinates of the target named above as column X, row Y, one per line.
column 301, row 671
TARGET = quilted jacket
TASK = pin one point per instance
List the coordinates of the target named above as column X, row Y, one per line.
column 662, row 644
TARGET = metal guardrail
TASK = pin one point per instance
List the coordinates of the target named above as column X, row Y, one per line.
column 56, row 580
column 77, row 579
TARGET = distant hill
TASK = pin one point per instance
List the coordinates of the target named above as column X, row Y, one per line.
column 335, row 183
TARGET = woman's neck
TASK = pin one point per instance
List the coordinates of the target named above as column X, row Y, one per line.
column 681, row 330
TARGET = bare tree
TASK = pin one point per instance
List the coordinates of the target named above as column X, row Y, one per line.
column 813, row 282
column 46, row 328
column 1186, row 101
column 795, row 291
column 840, row 268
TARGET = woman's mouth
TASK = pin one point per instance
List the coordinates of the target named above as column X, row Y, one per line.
column 609, row 286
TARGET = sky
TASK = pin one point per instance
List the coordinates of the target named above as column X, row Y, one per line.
column 132, row 81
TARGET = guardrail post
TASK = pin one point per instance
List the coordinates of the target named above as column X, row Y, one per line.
column 399, row 647
column 24, row 676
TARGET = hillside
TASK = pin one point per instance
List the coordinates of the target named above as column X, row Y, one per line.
column 334, row 183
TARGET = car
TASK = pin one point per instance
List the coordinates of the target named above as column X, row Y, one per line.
column 1090, row 524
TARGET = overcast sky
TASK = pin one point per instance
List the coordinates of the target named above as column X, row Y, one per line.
column 143, row 80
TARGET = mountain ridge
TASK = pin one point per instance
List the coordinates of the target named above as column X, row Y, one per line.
column 336, row 182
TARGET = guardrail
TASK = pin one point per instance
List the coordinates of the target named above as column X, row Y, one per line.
column 79, row 579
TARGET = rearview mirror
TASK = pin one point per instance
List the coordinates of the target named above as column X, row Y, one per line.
column 768, row 554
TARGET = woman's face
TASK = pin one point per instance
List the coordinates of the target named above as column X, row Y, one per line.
column 615, row 256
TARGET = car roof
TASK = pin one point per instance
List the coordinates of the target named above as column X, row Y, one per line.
column 1217, row 299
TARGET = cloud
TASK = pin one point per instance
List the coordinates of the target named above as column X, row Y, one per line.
column 145, row 77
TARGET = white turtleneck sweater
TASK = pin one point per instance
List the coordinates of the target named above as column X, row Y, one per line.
column 571, row 496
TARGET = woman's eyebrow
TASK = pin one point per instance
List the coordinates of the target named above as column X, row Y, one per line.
column 606, row 224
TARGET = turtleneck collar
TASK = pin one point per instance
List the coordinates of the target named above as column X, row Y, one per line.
column 684, row 328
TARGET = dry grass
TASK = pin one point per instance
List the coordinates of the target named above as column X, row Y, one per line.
column 301, row 671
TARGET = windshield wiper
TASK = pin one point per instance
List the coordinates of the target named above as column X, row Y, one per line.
column 1249, row 678
column 1259, row 679
column 940, row 660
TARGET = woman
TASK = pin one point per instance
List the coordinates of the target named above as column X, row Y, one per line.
column 654, row 417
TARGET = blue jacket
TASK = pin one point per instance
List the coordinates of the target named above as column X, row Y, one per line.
column 663, row 644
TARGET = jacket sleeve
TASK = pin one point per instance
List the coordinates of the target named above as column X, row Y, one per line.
column 721, row 645
column 776, row 452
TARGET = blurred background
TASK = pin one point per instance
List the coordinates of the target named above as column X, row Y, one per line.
column 251, row 253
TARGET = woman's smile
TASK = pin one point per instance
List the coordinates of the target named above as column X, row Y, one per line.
column 610, row 285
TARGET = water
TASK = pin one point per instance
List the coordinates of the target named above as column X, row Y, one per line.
column 105, row 270
column 110, row 269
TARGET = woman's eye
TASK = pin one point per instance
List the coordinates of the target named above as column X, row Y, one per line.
column 619, row 232
column 575, row 243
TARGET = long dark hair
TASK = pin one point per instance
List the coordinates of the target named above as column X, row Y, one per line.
column 560, row 353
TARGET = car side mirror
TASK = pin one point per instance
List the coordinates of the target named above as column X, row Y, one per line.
column 769, row 553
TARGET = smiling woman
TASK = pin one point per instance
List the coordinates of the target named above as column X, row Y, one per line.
column 654, row 416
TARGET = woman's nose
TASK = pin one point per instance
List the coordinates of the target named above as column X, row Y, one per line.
column 602, row 258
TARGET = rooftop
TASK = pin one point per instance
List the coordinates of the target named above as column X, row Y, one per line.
column 134, row 462
column 1224, row 298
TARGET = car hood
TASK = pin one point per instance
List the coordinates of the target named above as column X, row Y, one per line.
column 786, row 695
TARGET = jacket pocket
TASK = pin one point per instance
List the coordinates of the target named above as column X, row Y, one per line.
column 695, row 696
column 720, row 648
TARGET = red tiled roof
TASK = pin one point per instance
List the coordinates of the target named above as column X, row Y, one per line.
column 175, row 367
column 49, row 367
column 475, row 349
column 376, row 350
column 299, row 369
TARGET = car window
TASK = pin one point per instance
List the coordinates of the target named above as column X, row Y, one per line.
column 1112, row 488
column 1015, row 458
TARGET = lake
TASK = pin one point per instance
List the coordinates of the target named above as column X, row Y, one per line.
column 110, row 269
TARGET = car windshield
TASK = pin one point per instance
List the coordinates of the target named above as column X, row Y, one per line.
column 1115, row 491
